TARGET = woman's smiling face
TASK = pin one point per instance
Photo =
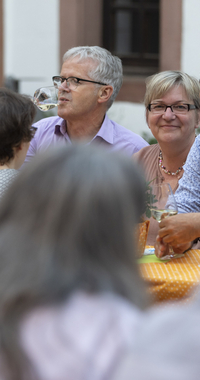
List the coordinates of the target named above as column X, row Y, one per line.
column 168, row 127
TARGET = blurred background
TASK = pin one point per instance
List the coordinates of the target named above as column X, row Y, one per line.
column 148, row 35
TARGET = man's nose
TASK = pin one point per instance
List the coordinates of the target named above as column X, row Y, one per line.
column 63, row 86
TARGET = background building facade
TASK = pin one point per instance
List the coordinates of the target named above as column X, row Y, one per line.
column 148, row 35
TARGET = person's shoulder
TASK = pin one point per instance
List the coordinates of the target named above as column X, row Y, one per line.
column 196, row 145
column 119, row 129
column 47, row 122
column 8, row 173
column 128, row 136
column 6, row 178
column 147, row 152
column 197, row 140
column 193, row 157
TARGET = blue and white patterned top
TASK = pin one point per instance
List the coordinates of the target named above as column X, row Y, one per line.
column 188, row 193
column 6, row 178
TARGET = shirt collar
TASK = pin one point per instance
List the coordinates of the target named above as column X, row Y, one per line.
column 60, row 127
column 106, row 131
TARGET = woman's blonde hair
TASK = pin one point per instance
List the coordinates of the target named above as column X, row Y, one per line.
column 157, row 85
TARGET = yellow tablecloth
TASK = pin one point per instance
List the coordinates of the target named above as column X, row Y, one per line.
column 172, row 280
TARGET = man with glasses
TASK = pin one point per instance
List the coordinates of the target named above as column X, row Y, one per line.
column 90, row 80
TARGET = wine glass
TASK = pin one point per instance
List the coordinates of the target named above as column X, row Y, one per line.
column 46, row 98
column 163, row 205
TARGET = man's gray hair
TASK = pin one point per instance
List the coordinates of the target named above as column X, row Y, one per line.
column 108, row 69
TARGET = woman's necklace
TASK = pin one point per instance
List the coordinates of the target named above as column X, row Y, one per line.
column 164, row 168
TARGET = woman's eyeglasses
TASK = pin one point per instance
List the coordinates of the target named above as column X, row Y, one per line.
column 179, row 108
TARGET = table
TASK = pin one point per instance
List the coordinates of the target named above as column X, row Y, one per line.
column 174, row 280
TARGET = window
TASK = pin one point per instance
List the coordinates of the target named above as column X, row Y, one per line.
column 131, row 31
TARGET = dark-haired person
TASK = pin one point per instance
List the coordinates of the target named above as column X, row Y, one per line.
column 16, row 117
column 70, row 292
column 89, row 82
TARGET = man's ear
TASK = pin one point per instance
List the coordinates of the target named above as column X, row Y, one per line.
column 105, row 93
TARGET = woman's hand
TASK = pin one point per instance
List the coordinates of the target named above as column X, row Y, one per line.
column 180, row 229
column 162, row 249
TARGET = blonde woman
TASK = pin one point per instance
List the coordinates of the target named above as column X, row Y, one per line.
column 172, row 113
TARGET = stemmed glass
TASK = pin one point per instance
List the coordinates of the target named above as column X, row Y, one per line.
column 163, row 205
column 46, row 98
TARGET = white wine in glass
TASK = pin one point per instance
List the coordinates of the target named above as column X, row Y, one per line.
column 161, row 214
column 46, row 98
column 163, row 205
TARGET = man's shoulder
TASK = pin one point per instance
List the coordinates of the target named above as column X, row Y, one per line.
column 128, row 136
column 119, row 129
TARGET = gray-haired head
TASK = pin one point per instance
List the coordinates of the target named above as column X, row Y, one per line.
column 108, row 68
column 157, row 85
column 66, row 224
column 77, row 210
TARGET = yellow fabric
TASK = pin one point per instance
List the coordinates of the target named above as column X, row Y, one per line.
column 142, row 233
column 173, row 280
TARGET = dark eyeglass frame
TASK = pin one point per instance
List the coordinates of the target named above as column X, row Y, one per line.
column 189, row 106
column 62, row 79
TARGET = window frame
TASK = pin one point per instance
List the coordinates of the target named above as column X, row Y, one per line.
column 140, row 62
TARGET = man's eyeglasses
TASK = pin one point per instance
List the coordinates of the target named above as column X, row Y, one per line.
column 72, row 82
column 180, row 108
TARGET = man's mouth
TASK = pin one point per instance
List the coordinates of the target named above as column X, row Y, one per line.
column 62, row 96
column 62, row 99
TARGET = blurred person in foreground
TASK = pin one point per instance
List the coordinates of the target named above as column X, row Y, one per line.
column 70, row 293
column 172, row 112
column 89, row 82
column 16, row 131
column 166, row 345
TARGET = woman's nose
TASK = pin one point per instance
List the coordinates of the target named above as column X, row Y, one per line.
column 169, row 114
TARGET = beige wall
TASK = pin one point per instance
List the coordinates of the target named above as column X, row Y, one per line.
column 81, row 24
column 170, row 34
column 1, row 42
